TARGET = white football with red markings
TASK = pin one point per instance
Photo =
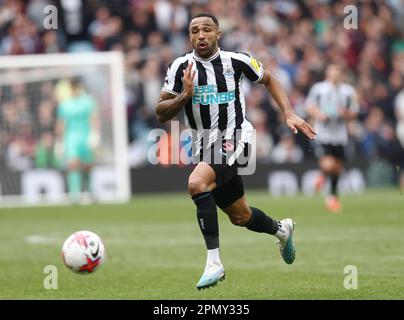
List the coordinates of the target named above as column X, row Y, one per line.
column 83, row 252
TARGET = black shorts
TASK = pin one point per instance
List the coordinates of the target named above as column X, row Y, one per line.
column 337, row 151
column 229, row 192
column 229, row 185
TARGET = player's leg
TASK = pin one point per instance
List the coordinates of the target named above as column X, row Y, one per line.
column 86, row 169
column 332, row 164
column 74, row 179
column 335, row 175
column 326, row 165
column 88, row 195
column 254, row 219
column 332, row 201
column 86, row 159
column 200, row 184
column 240, row 214
column 74, row 176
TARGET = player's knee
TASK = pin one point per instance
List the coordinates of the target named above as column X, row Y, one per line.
column 196, row 185
column 327, row 164
column 74, row 165
column 240, row 220
column 339, row 165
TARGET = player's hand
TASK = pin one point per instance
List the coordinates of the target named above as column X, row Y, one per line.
column 295, row 123
column 188, row 80
column 322, row 117
column 343, row 113
column 94, row 139
column 58, row 148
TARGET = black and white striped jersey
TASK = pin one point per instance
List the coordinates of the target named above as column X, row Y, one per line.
column 329, row 98
column 217, row 108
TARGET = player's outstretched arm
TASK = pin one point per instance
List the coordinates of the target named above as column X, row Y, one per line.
column 293, row 121
column 169, row 104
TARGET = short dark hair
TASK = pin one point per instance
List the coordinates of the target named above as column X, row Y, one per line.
column 206, row 14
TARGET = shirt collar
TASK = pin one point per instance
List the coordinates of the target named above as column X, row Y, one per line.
column 332, row 84
column 208, row 59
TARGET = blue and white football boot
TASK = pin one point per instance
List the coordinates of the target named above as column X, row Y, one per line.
column 211, row 276
column 287, row 245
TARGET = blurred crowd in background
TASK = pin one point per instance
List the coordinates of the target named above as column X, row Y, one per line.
column 296, row 40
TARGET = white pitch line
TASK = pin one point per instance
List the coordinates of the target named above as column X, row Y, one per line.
column 43, row 239
column 54, row 239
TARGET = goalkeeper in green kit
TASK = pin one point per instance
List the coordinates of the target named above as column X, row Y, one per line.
column 78, row 126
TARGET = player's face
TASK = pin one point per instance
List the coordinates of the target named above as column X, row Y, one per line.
column 76, row 90
column 334, row 74
column 204, row 35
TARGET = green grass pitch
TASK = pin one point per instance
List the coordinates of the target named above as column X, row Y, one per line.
column 155, row 250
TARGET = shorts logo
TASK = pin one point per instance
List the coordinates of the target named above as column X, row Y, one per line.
column 227, row 146
column 228, row 70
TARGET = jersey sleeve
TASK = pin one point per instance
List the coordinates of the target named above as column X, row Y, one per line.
column 250, row 67
column 173, row 78
column 313, row 97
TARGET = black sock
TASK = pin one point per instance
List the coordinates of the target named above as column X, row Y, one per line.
column 334, row 184
column 206, row 213
column 260, row 222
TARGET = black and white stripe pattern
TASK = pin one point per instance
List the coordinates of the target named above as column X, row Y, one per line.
column 329, row 98
column 209, row 115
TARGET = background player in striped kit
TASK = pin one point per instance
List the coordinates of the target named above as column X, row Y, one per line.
column 331, row 103
column 206, row 83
